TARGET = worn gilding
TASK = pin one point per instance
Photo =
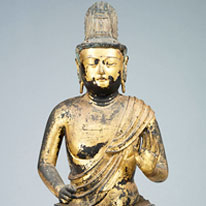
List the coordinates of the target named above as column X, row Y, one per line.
column 108, row 135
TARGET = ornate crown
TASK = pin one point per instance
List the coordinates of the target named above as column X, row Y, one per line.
column 101, row 28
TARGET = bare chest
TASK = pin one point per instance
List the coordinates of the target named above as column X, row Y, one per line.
column 91, row 131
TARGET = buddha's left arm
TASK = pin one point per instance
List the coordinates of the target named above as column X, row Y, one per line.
column 150, row 153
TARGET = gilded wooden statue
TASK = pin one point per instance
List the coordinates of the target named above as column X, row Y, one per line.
column 107, row 133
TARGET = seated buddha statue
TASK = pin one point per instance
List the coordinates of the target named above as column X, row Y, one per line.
column 107, row 134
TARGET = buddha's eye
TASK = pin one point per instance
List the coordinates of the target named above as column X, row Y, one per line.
column 96, row 61
column 110, row 63
column 92, row 61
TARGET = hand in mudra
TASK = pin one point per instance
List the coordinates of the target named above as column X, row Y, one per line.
column 147, row 153
column 65, row 194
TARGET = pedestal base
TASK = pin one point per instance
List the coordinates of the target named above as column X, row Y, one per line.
column 141, row 202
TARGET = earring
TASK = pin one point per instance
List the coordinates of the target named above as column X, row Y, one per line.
column 123, row 80
column 81, row 87
column 123, row 85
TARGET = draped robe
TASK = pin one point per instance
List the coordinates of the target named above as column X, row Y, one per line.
column 96, row 184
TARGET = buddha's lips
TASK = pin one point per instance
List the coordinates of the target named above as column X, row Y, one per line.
column 101, row 79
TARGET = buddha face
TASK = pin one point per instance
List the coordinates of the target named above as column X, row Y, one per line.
column 101, row 69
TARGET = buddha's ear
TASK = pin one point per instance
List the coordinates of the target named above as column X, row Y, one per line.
column 126, row 59
column 78, row 65
column 124, row 73
column 79, row 75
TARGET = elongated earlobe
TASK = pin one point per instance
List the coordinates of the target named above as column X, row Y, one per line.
column 79, row 77
column 81, row 87
column 124, row 74
column 123, row 86
column 122, row 79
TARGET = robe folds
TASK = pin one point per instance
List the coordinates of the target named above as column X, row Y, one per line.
column 109, row 176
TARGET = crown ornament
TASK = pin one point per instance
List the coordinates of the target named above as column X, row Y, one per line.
column 101, row 28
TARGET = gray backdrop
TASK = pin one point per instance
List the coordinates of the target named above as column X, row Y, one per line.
column 166, row 42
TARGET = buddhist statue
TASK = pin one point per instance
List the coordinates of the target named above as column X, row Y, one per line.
column 107, row 134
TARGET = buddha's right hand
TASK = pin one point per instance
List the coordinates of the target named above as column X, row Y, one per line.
column 66, row 193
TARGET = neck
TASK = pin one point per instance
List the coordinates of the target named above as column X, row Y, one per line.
column 103, row 100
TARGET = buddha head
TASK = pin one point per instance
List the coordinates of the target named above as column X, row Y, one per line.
column 101, row 60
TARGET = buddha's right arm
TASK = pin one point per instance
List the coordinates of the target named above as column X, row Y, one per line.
column 52, row 140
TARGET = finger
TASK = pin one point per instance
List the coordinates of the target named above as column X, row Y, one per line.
column 62, row 200
column 157, row 148
column 65, row 198
column 70, row 188
column 153, row 145
column 73, row 188
column 148, row 140
column 67, row 193
column 143, row 139
column 138, row 145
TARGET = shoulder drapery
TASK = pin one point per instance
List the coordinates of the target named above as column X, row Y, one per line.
column 103, row 171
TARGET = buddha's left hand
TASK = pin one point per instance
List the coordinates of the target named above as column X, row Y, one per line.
column 147, row 154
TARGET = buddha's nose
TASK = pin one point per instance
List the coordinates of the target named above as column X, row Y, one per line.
column 101, row 68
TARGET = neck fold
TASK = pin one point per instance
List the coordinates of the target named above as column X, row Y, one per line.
column 102, row 100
